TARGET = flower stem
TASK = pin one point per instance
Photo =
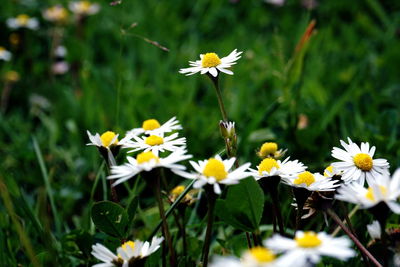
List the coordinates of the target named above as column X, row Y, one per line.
column 360, row 246
column 219, row 97
column 210, row 220
column 248, row 240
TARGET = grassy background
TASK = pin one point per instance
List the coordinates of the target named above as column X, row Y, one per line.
column 348, row 86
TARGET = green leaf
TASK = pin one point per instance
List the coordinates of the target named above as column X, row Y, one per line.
column 110, row 218
column 243, row 206
column 131, row 209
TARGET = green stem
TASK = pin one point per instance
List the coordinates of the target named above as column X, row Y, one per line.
column 210, row 220
column 219, row 97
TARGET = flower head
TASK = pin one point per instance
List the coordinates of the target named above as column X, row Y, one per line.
column 84, row 8
column 272, row 167
column 357, row 163
column 4, row 54
column 23, row 21
column 156, row 143
column 153, row 127
column 215, row 171
column 311, row 181
column 211, row 63
column 56, row 14
column 177, row 191
column 253, row 257
column 108, row 258
column 270, row 150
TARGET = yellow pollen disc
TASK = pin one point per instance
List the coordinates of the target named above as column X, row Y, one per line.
column 262, row 254
column 363, row 161
column 125, row 245
column 178, row 190
column 84, row 6
column 266, row 165
column 215, row 168
column 370, row 193
column 305, row 178
column 210, row 60
column 151, row 124
column 22, row 19
column 154, row 140
column 146, row 157
column 268, row 148
column 107, row 137
column 328, row 170
column 308, row 240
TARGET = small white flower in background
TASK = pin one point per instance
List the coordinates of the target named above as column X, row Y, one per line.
column 23, row 21
column 311, row 181
column 146, row 161
column 308, row 247
column 152, row 126
column 155, row 143
column 272, row 167
column 4, row 54
column 60, row 51
column 84, row 8
column 57, row 14
column 60, row 67
column 275, row 2
column 215, row 171
column 382, row 189
column 211, row 63
column 357, row 163
column 374, row 230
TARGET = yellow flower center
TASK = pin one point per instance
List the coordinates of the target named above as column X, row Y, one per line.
column 57, row 13
column 262, row 254
column 370, row 193
column 215, row 168
column 363, row 161
column 154, row 140
column 151, row 124
column 328, row 171
column 268, row 148
column 146, row 157
column 210, row 60
column 107, row 138
column 305, row 178
column 178, row 190
column 84, row 6
column 22, row 19
column 266, row 165
column 125, row 245
column 308, row 240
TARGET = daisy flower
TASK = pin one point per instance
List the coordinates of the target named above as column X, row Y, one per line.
column 272, row 167
column 156, row 143
column 215, row 171
column 374, row 230
column 382, row 189
column 137, row 250
column 227, row 129
column 308, row 247
column 253, row 257
column 152, row 126
column 146, row 161
column 211, row 63
column 330, row 171
column 84, row 8
column 4, row 54
column 23, row 21
column 310, row 181
column 57, row 14
column 108, row 258
column 357, row 163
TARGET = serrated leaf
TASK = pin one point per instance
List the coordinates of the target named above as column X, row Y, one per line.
column 110, row 218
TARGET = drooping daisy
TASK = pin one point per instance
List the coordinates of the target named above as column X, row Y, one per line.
column 152, row 126
column 4, row 54
column 56, row 14
column 84, row 8
column 382, row 189
column 311, row 181
column 146, row 161
column 357, row 163
column 308, row 247
column 108, row 258
column 135, row 251
column 177, row 191
column 272, row 167
column 23, row 21
column 253, row 257
column 215, row 171
column 156, row 143
column 270, row 149
column 211, row 63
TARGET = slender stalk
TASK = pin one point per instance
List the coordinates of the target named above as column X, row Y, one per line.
column 248, row 240
column 184, row 239
column 351, row 214
column 277, row 210
column 210, row 220
column 360, row 246
column 219, row 97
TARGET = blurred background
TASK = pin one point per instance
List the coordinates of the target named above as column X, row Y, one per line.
column 111, row 67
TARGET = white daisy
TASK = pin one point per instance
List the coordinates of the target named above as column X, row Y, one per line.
column 374, row 230
column 4, row 54
column 254, row 257
column 156, row 143
column 23, row 21
column 270, row 149
column 272, row 167
column 57, row 14
column 146, row 161
column 215, row 171
column 108, row 258
column 311, row 181
column 330, row 171
column 275, row 2
column 308, row 247
column 211, row 63
column 130, row 251
column 357, row 163
column 84, row 8
column 152, row 126
column 382, row 189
